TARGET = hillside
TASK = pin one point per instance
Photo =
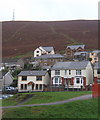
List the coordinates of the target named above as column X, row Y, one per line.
column 20, row 37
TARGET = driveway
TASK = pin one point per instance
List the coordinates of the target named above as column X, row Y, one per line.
column 84, row 97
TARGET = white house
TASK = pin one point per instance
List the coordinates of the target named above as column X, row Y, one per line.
column 6, row 79
column 97, row 72
column 43, row 50
column 33, row 81
column 72, row 74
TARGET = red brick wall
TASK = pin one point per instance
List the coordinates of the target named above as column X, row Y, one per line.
column 96, row 90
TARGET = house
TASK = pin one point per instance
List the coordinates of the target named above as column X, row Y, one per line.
column 97, row 72
column 49, row 59
column 43, row 50
column 80, row 56
column 95, row 56
column 33, row 81
column 6, row 79
column 72, row 74
column 14, row 63
column 70, row 50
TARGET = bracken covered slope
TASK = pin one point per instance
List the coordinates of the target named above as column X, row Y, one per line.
column 20, row 37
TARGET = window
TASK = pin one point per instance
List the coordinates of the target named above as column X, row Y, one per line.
column 24, row 77
column 36, row 86
column 25, row 86
column 57, row 72
column 78, row 72
column 92, row 53
column 21, row 86
column 40, row 86
column 37, row 51
column 98, row 71
column 95, row 58
column 57, row 81
column 69, row 72
column 39, row 78
column 77, row 80
column 65, row 72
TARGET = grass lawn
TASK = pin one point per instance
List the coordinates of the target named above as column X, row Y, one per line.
column 76, row 109
column 42, row 97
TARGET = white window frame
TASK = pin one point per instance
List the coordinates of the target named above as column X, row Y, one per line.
column 59, row 81
column 57, row 72
column 78, row 72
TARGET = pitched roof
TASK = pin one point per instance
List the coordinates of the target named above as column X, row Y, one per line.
column 50, row 56
column 48, row 49
column 70, row 65
column 95, row 51
column 75, row 46
column 79, row 53
column 97, row 65
column 32, row 73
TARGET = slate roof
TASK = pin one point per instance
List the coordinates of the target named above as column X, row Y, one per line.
column 48, row 49
column 75, row 46
column 70, row 65
column 79, row 53
column 97, row 65
column 96, row 51
column 32, row 73
column 50, row 56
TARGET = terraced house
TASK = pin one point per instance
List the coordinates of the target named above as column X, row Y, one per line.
column 72, row 74
column 33, row 81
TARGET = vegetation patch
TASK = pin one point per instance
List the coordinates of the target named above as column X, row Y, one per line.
column 42, row 97
column 77, row 109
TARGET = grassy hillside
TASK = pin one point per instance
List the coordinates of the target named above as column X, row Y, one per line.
column 20, row 37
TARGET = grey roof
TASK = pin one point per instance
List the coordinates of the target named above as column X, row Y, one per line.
column 70, row 65
column 97, row 65
column 79, row 53
column 50, row 56
column 75, row 46
column 32, row 73
column 48, row 49
column 95, row 51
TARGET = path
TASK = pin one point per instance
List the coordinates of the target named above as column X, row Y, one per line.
column 84, row 97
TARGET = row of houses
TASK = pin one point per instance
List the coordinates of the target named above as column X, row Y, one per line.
column 62, row 75
column 46, row 56
column 76, row 52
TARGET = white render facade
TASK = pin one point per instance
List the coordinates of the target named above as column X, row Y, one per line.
column 43, row 50
column 70, row 77
column 33, row 81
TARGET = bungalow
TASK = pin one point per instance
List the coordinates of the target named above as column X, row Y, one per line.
column 33, row 81
column 43, row 50
column 6, row 79
column 70, row 50
column 97, row 72
column 72, row 74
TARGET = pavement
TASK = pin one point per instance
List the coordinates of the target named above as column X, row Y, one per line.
column 84, row 97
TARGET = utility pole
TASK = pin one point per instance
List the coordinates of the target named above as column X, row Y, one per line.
column 13, row 18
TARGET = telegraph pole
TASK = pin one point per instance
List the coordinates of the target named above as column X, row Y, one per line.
column 13, row 18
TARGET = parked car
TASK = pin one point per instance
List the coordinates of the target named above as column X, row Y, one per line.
column 9, row 88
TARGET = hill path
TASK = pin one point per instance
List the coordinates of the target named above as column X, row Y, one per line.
column 84, row 97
